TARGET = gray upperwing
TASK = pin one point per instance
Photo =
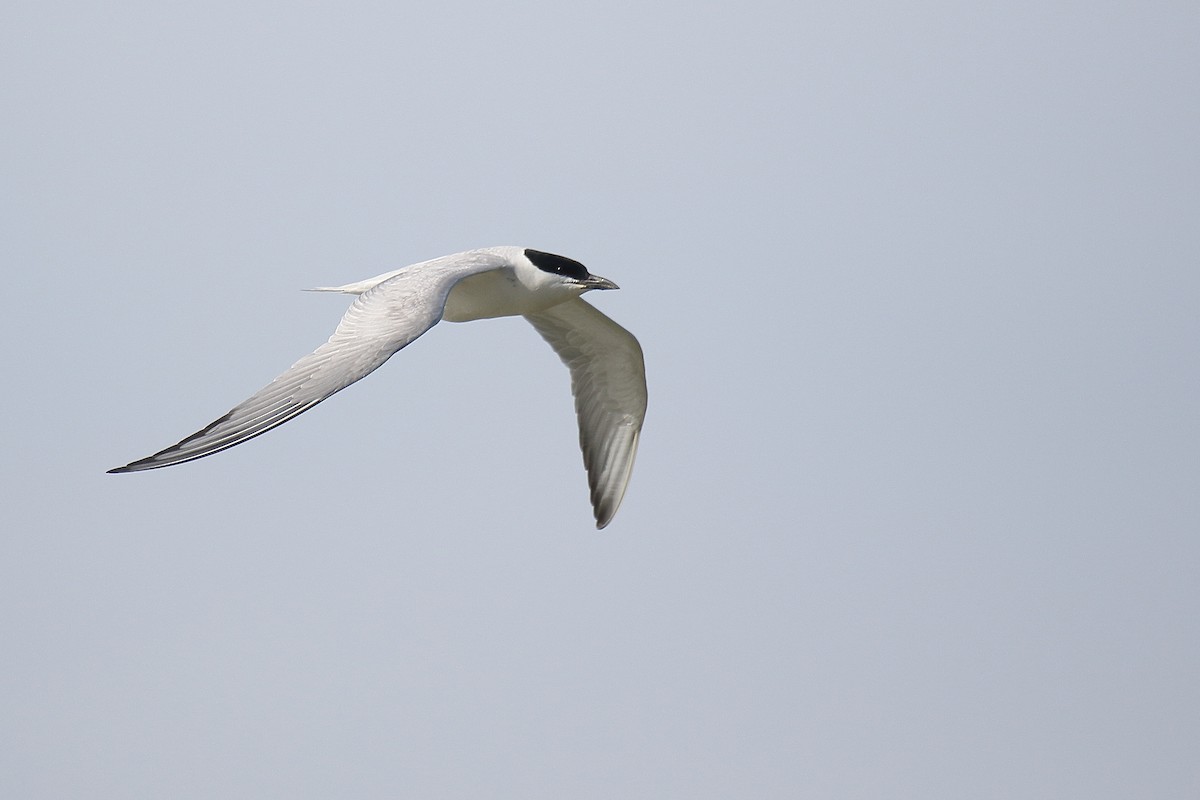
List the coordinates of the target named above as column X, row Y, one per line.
column 380, row 322
column 608, row 380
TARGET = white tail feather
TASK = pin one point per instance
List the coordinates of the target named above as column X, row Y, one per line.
column 360, row 286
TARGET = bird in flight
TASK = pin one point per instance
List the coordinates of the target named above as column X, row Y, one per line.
column 608, row 375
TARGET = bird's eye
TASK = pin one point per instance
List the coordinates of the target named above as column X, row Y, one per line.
column 558, row 265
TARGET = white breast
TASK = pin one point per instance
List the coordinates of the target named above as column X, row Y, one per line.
column 499, row 293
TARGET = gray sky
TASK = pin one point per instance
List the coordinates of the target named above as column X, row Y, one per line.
column 916, row 508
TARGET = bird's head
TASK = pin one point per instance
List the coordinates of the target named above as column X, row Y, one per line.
column 562, row 273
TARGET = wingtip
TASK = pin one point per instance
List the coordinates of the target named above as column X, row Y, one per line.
column 133, row 466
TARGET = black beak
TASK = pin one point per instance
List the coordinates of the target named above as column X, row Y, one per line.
column 596, row 282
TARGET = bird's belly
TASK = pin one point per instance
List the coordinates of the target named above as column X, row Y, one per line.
column 494, row 294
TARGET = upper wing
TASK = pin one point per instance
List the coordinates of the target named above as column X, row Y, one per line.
column 380, row 322
column 608, row 379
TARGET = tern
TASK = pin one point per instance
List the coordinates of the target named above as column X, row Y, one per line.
column 608, row 374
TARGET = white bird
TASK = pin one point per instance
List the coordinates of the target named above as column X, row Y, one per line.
column 608, row 375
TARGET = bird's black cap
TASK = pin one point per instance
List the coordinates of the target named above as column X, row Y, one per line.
column 559, row 265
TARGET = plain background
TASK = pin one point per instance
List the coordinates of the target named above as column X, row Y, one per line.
column 916, row 509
